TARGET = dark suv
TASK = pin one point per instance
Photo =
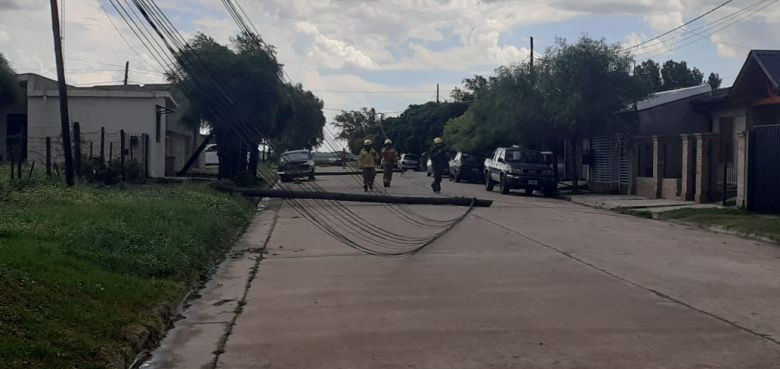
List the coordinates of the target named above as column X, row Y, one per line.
column 296, row 164
column 467, row 167
column 513, row 167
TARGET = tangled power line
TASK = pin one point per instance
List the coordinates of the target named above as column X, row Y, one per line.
column 168, row 48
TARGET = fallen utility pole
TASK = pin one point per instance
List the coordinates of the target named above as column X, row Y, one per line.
column 335, row 196
column 352, row 173
column 63, row 89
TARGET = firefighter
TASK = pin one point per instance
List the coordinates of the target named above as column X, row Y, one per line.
column 439, row 161
column 367, row 160
column 389, row 160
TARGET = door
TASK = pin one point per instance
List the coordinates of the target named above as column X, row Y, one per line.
column 764, row 169
column 16, row 137
column 495, row 169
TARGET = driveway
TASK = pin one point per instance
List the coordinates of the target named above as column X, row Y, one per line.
column 527, row 283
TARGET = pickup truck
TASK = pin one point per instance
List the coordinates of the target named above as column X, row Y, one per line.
column 516, row 168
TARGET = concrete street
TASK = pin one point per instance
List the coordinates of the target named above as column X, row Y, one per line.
column 528, row 283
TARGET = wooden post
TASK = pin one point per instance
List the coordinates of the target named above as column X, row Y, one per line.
column 122, row 152
column 57, row 169
column 90, row 149
column 103, row 144
column 13, row 164
column 145, row 141
column 77, row 147
column 131, row 147
column 19, row 163
column 31, row 170
column 48, row 156
column 63, row 91
column 110, row 151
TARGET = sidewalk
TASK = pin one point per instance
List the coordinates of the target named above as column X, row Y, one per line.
column 629, row 202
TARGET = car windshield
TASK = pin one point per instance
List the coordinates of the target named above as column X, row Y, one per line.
column 295, row 156
column 524, row 156
column 410, row 157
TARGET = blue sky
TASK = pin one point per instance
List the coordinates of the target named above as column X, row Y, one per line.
column 348, row 50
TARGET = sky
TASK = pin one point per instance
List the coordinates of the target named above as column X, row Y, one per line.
column 389, row 54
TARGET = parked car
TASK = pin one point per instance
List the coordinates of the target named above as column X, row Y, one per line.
column 468, row 167
column 516, row 168
column 423, row 160
column 325, row 159
column 296, row 164
column 409, row 161
column 429, row 169
column 211, row 154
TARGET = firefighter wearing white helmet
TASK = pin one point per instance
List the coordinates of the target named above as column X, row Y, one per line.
column 439, row 161
column 368, row 159
column 389, row 160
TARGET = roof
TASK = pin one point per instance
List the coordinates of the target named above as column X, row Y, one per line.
column 665, row 97
column 41, row 86
column 768, row 61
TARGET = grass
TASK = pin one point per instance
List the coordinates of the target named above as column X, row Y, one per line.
column 739, row 221
column 86, row 272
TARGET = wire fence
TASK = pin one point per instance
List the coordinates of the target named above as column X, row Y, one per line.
column 95, row 153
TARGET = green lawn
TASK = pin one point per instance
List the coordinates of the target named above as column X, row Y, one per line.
column 740, row 221
column 85, row 271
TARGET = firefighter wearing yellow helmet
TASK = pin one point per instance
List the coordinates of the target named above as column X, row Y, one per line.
column 368, row 160
column 439, row 161
column 389, row 160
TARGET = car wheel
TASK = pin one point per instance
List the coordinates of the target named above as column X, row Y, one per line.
column 311, row 176
column 285, row 179
column 529, row 191
column 504, row 186
column 489, row 182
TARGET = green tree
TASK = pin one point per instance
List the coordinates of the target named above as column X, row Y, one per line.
column 677, row 75
column 238, row 92
column 714, row 81
column 304, row 128
column 9, row 86
column 650, row 73
column 414, row 130
column 356, row 126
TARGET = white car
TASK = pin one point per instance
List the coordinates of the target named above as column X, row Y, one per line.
column 211, row 154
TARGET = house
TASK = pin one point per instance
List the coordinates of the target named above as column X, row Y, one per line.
column 148, row 116
column 622, row 163
column 696, row 145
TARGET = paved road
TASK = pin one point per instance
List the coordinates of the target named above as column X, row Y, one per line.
column 528, row 283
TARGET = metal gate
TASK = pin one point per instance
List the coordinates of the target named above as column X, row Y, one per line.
column 611, row 158
column 764, row 169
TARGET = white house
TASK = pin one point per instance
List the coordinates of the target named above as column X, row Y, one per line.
column 139, row 111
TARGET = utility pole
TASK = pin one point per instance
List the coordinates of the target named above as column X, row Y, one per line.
column 63, row 88
column 127, row 70
column 437, row 93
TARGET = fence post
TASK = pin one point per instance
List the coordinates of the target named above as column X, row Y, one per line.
column 48, row 156
column 110, row 151
column 57, row 169
column 131, row 147
column 90, row 149
column 31, row 170
column 145, row 139
column 103, row 144
column 122, row 152
column 77, row 147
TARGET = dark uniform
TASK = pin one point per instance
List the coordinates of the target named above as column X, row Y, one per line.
column 439, row 161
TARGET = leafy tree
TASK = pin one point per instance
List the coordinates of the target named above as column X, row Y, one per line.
column 238, row 92
column 9, row 87
column 677, row 75
column 585, row 85
column 650, row 73
column 414, row 130
column 470, row 88
column 304, row 129
column 356, row 126
column 714, row 81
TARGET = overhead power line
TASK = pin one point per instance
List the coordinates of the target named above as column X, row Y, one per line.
column 681, row 26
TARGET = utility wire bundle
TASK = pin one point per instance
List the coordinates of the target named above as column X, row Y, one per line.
column 167, row 46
